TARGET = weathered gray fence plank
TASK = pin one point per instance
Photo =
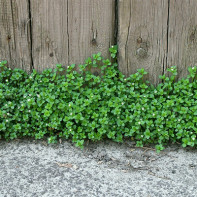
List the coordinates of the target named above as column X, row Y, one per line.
column 142, row 36
column 182, row 36
column 14, row 33
column 68, row 31
column 49, row 33
column 154, row 34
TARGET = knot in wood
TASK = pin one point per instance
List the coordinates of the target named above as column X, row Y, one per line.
column 51, row 54
column 139, row 40
column 8, row 37
column 94, row 41
column 47, row 40
column 141, row 53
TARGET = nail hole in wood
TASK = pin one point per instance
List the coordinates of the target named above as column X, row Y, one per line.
column 192, row 37
column 94, row 41
column 51, row 54
column 8, row 37
column 139, row 40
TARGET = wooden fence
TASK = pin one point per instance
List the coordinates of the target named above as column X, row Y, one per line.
column 154, row 34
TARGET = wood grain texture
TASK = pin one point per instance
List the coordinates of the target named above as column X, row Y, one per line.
column 182, row 39
column 14, row 33
column 142, row 36
column 69, row 31
column 49, row 33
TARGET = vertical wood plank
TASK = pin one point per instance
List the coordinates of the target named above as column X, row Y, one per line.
column 182, row 39
column 142, row 36
column 14, row 34
column 91, row 28
column 49, row 33
column 69, row 31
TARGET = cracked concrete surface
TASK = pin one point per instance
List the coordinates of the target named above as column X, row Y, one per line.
column 31, row 168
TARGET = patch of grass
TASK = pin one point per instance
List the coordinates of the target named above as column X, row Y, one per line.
column 80, row 105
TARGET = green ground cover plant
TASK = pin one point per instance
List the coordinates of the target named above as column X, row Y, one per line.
column 78, row 105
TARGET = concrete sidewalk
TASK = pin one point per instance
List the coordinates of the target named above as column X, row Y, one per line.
column 31, row 168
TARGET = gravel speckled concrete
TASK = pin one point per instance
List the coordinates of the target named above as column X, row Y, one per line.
column 31, row 168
